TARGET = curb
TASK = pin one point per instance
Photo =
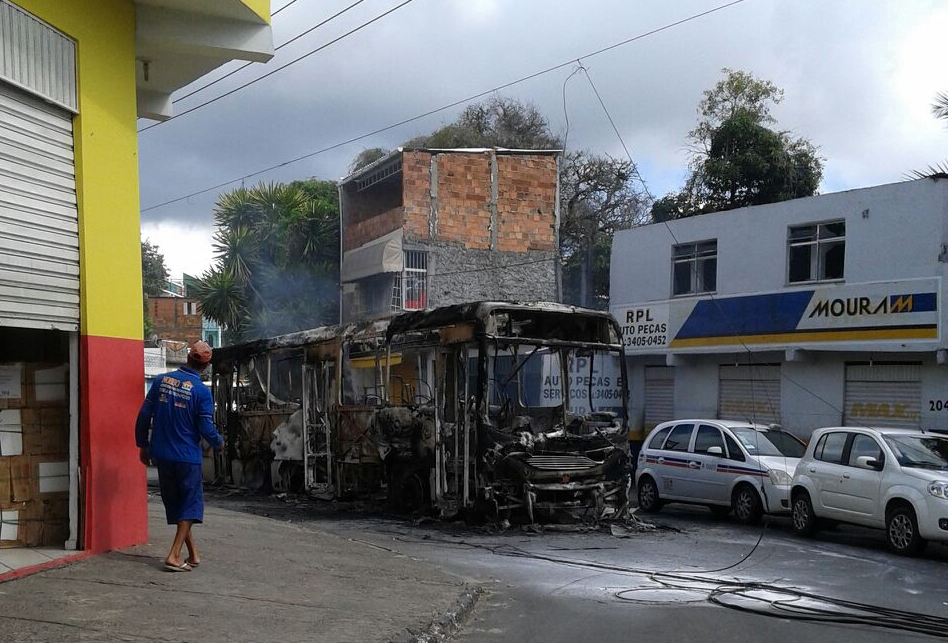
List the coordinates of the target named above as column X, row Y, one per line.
column 447, row 623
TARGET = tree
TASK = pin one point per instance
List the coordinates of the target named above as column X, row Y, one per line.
column 939, row 170
column 367, row 156
column 154, row 275
column 737, row 160
column 277, row 264
column 596, row 191
column 497, row 122
column 597, row 199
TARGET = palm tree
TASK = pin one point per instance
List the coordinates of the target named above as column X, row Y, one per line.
column 277, row 259
column 938, row 170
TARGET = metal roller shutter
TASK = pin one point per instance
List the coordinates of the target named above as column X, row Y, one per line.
column 659, row 395
column 886, row 395
column 39, row 230
column 750, row 393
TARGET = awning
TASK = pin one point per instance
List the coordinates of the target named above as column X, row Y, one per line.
column 375, row 257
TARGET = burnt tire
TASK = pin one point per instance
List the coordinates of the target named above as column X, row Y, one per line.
column 804, row 519
column 649, row 500
column 409, row 492
column 746, row 505
column 901, row 531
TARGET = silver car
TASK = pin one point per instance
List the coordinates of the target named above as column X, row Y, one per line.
column 726, row 465
column 892, row 479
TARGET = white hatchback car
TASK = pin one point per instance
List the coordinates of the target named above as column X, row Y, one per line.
column 726, row 465
column 892, row 479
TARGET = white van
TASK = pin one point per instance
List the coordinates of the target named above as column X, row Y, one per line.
column 726, row 465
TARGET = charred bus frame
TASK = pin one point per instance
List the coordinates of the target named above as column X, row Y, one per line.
column 487, row 406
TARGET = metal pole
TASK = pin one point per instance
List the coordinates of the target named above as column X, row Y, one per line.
column 269, row 364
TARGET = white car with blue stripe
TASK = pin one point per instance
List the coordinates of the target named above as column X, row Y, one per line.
column 723, row 464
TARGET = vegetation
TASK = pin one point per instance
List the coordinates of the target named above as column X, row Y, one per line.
column 738, row 160
column 277, row 264
column 154, row 274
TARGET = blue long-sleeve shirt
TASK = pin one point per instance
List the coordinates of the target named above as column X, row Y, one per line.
column 179, row 410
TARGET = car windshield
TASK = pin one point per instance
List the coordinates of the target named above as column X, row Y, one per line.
column 922, row 451
column 769, row 442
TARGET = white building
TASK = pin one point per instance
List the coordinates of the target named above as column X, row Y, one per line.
column 813, row 312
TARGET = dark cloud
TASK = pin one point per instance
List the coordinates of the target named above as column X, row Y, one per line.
column 843, row 68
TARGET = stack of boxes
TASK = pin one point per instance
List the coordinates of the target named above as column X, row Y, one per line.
column 34, row 455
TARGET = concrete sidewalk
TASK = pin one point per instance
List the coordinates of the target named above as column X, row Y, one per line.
column 260, row 580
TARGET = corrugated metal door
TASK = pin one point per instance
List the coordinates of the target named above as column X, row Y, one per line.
column 39, row 230
column 749, row 392
column 659, row 395
column 886, row 395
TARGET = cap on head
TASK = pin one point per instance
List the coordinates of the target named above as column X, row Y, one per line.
column 200, row 353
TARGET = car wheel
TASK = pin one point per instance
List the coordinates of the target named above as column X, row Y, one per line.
column 746, row 505
column 649, row 501
column 804, row 520
column 719, row 511
column 901, row 529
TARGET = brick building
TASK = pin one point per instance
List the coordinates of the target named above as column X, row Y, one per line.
column 176, row 318
column 429, row 227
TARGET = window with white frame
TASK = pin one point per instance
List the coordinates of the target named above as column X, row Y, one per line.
column 816, row 252
column 415, row 280
column 410, row 287
column 695, row 267
column 190, row 308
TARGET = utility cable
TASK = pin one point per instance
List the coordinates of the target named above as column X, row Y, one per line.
column 283, row 7
column 248, row 64
column 448, row 106
column 760, row 598
column 282, row 67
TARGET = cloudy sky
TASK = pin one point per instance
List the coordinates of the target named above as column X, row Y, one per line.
column 859, row 77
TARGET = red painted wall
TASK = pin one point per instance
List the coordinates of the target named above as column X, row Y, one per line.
column 113, row 490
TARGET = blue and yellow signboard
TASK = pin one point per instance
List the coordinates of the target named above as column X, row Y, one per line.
column 892, row 311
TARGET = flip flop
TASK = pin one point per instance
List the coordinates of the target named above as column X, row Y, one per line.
column 183, row 567
column 191, row 563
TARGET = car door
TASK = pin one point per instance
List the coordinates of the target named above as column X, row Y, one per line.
column 860, row 487
column 708, row 484
column 672, row 463
column 826, row 471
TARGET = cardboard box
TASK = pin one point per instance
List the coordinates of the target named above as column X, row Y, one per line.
column 12, row 385
column 47, row 385
column 11, row 432
column 45, row 431
column 6, row 482
column 34, row 524
column 12, row 519
column 24, row 478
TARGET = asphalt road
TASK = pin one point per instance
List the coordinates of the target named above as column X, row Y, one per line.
column 551, row 587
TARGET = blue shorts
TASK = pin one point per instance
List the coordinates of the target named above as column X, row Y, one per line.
column 182, row 491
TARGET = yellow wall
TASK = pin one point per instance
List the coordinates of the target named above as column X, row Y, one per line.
column 106, row 148
column 259, row 7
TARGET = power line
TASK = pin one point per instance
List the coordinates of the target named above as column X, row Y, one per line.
column 281, row 67
column 248, row 64
column 635, row 167
column 283, row 7
column 750, row 355
column 448, row 106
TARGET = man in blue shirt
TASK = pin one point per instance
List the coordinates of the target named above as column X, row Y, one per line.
column 179, row 410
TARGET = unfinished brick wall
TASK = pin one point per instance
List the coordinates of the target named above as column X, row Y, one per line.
column 371, row 213
column 526, row 201
column 372, row 228
column 170, row 321
column 416, row 193
column 464, row 207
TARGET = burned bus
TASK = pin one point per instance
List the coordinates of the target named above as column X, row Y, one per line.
column 487, row 407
